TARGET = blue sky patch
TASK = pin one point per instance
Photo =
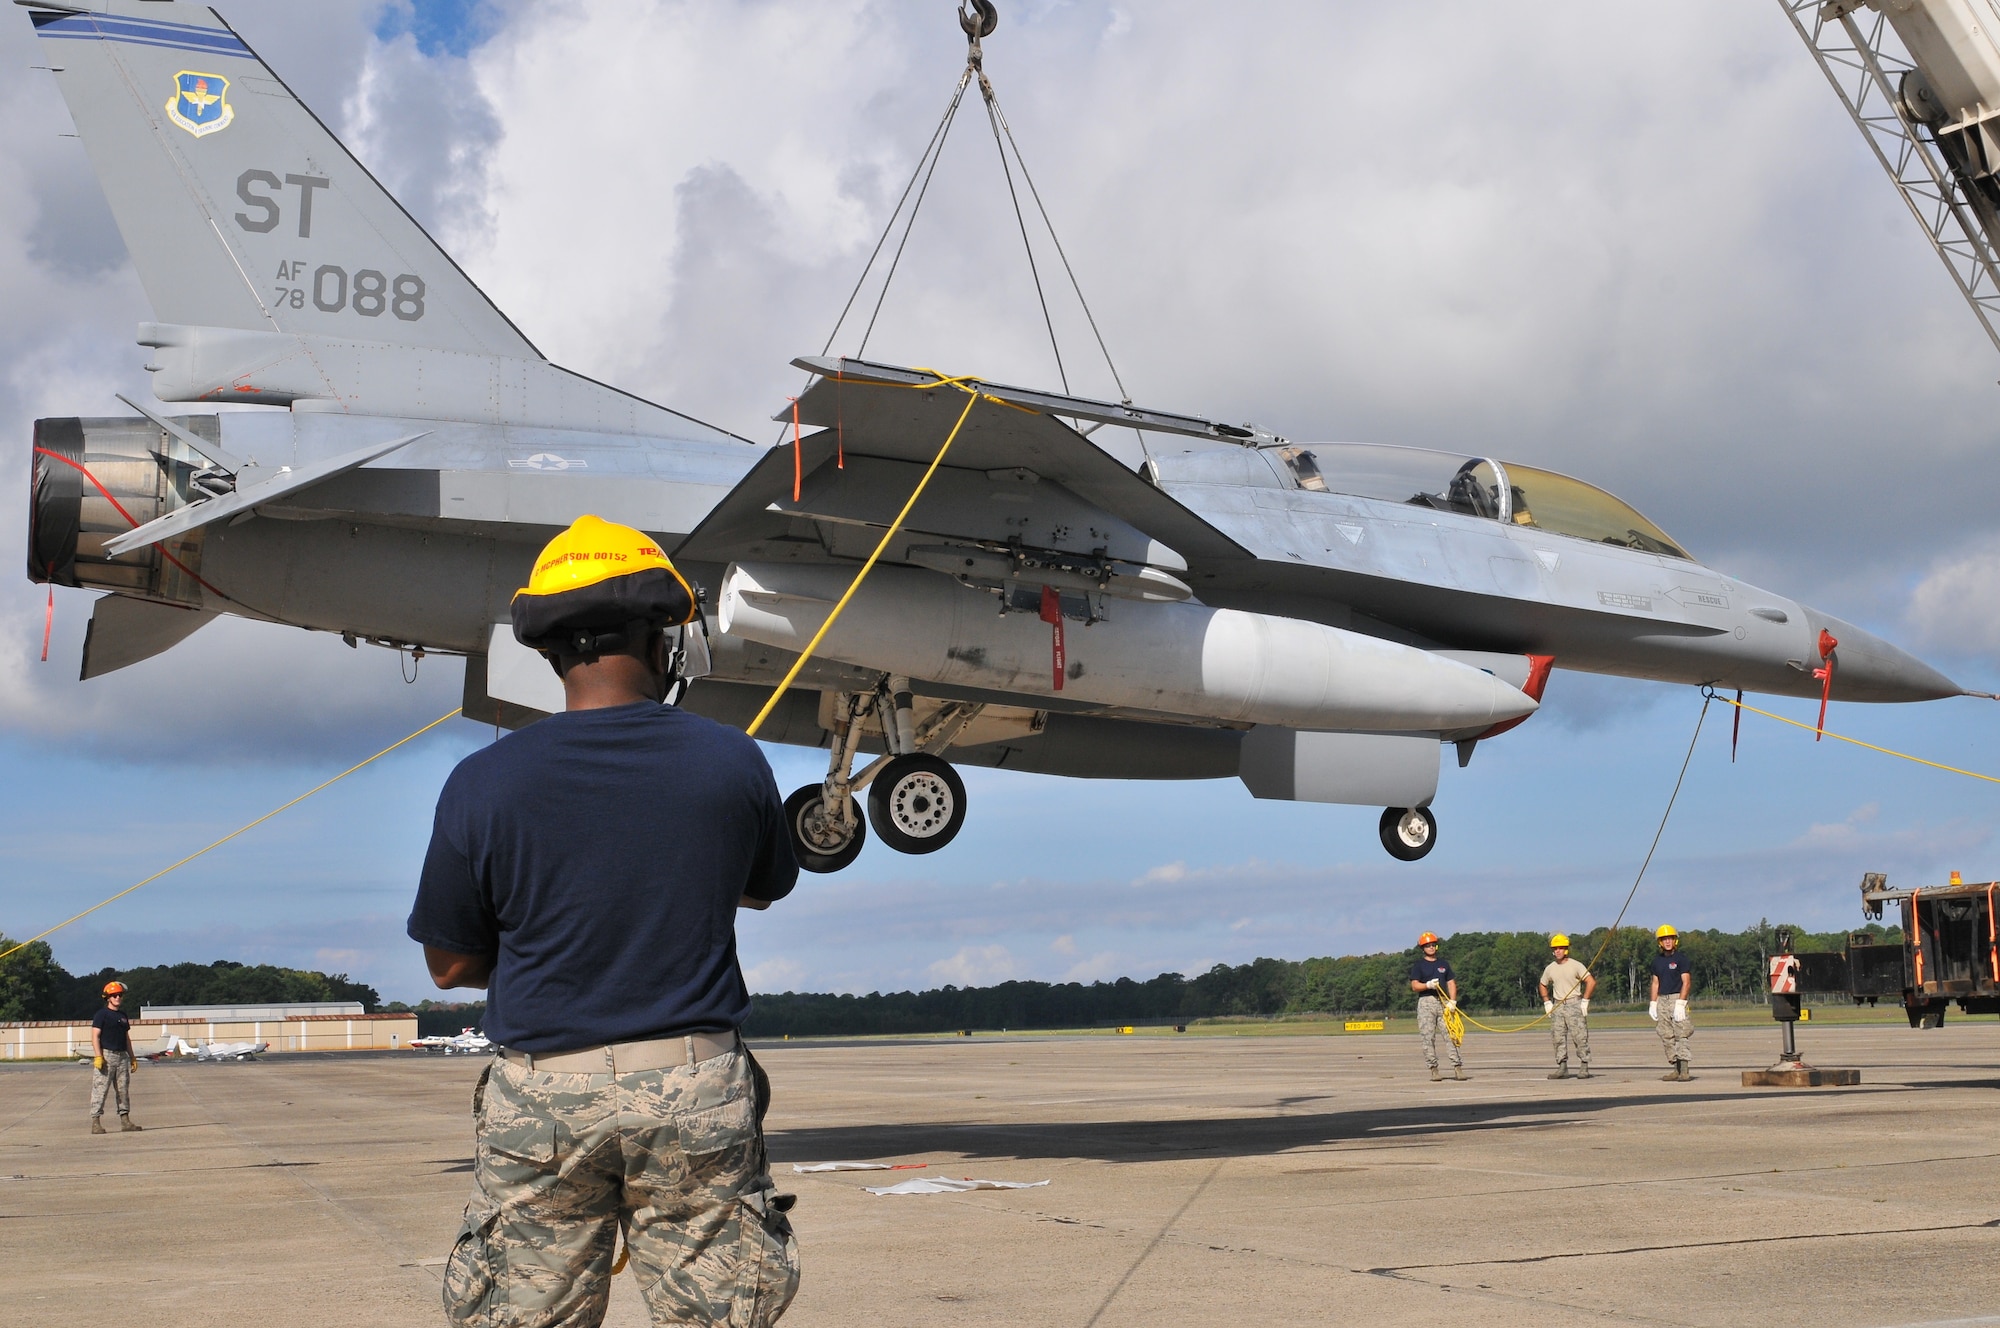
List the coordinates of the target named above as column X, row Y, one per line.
column 440, row 27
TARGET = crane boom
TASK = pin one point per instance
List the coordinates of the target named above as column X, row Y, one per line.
column 1921, row 79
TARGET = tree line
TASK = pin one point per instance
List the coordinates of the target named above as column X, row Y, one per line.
column 1497, row 971
column 34, row 986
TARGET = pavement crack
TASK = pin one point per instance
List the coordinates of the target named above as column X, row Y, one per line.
column 1154, row 1244
column 1397, row 1271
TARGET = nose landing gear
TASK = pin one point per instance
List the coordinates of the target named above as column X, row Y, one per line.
column 1408, row 832
column 915, row 799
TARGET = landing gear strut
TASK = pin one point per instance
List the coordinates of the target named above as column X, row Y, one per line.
column 1408, row 832
column 915, row 799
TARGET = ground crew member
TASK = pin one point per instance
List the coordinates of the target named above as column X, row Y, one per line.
column 111, row 1060
column 1673, row 982
column 1566, row 988
column 1437, row 991
column 586, row 871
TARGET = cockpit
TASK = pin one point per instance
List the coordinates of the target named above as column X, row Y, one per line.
column 1476, row 486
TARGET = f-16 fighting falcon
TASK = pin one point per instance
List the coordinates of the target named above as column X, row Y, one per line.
column 1321, row 621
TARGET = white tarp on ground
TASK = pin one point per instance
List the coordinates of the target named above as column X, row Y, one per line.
column 843, row 1166
column 946, row 1185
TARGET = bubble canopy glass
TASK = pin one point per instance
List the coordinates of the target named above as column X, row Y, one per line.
column 1478, row 486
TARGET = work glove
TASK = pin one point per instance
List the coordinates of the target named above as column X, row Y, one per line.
column 97, row 1063
column 1680, row 1009
column 1433, row 985
column 1450, row 1004
column 1548, row 1007
column 1583, row 1005
column 1653, row 1011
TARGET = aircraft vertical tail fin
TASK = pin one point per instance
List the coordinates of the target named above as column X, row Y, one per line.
column 241, row 210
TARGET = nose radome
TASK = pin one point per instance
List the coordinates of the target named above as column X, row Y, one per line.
column 1867, row 668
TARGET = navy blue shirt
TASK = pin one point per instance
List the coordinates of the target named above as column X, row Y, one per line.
column 600, row 855
column 1426, row 969
column 114, row 1030
column 1668, row 968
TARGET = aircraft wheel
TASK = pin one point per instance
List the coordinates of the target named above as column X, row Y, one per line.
column 917, row 803
column 819, row 841
column 1408, row 832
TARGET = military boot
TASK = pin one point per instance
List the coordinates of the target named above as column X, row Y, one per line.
column 1681, row 1071
column 125, row 1124
column 1561, row 1072
column 97, row 1125
column 1458, row 1072
column 1672, row 1076
column 1584, row 1073
column 1435, row 1076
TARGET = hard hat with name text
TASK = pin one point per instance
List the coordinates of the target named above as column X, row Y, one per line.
column 592, row 583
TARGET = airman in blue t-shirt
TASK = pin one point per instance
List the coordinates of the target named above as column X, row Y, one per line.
column 1437, row 991
column 1673, row 982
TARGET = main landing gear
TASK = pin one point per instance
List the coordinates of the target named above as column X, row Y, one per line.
column 1408, row 832
column 916, row 801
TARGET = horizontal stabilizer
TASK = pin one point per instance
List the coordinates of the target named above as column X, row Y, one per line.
column 124, row 631
column 287, row 481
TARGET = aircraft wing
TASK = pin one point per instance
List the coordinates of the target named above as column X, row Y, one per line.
column 1016, row 474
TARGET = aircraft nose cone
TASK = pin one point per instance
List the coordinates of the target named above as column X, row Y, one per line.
column 1867, row 668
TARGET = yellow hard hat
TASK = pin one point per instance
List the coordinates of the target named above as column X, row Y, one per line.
column 1559, row 939
column 592, row 583
column 114, row 989
column 1665, row 930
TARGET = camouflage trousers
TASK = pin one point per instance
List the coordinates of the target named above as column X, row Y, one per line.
column 673, row 1157
column 1674, row 1033
column 1430, row 1030
column 1569, row 1029
column 116, row 1079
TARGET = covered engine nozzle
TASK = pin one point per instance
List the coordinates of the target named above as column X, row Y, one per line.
column 94, row 479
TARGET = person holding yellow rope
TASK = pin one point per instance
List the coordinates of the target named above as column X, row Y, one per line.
column 1437, row 993
column 1566, row 988
column 1672, row 984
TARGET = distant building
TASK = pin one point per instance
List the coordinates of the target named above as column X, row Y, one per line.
column 219, row 1013
column 306, row 1026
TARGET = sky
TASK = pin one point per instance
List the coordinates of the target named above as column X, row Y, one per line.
column 1642, row 245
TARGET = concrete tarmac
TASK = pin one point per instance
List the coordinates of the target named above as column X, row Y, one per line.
column 1193, row 1180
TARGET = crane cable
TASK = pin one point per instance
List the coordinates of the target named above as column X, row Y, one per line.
column 243, row 829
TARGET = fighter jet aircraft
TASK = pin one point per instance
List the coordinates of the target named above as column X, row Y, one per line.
column 1318, row 620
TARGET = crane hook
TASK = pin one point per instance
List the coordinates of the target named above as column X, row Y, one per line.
column 978, row 18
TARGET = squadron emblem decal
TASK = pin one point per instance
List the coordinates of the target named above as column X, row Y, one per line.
column 200, row 103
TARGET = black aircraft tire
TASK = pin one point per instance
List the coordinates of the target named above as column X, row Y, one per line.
column 1408, row 843
column 814, row 853
column 917, row 804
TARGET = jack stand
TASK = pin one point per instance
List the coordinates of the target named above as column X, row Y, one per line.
column 1791, row 1071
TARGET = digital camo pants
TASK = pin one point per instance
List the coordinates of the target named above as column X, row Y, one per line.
column 115, row 1078
column 1674, row 1033
column 1570, row 1031
column 674, row 1157
column 1430, row 1031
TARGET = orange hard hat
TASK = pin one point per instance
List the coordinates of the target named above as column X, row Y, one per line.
column 1428, row 938
column 114, row 989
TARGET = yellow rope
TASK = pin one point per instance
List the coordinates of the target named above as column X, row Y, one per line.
column 1886, row 751
column 972, row 398
column 234, row 833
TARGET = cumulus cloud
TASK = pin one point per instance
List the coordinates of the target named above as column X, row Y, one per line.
column 775, row 974
column 974, row 966
column 1956, row 605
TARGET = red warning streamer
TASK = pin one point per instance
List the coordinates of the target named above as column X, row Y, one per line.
column 1828, row 643
column 1052, row 615
column 798, row 453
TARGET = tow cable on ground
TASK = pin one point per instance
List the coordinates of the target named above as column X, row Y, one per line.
column 233, row 833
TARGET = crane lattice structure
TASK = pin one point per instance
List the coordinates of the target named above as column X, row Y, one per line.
column 1863, row 59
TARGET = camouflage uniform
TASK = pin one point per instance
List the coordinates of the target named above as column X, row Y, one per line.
column 1674, row 1033
column 1569, row 1029
column 115, row 1077
column 1430, row 1028
column 673, row 1156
